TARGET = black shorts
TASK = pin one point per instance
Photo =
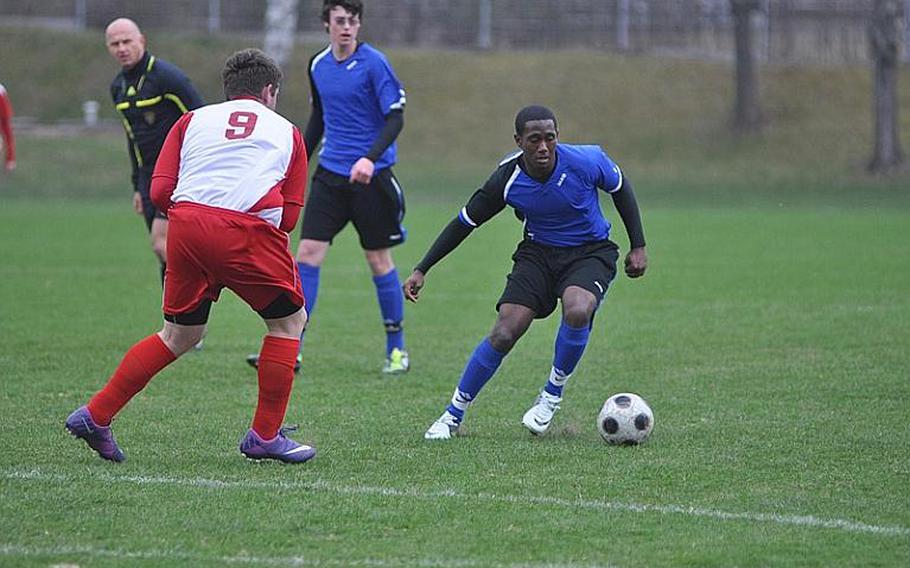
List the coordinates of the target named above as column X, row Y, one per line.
column 376, row 210
column 149, row 211
column 540, row 273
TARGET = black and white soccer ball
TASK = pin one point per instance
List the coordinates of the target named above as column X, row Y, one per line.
column 625, row 419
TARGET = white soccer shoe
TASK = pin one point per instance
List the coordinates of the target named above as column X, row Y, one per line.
column 537, row 419
column 445, row 427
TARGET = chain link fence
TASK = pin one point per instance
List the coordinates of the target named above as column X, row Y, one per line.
column 788, row 31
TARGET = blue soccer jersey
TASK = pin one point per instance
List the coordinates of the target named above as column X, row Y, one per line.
column 356, row 95
column 562, row 211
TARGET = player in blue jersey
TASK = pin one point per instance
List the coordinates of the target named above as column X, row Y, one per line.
column 566, row 254
column 357, row 112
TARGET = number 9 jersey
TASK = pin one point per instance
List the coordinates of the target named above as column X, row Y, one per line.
column 237, row 155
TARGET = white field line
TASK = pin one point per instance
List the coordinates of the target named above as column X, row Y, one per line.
column 807, row 521
column 182, row 556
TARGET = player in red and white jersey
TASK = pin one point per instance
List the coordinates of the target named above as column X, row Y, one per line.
column 6, row 131
column 231, row 177
column 233, row 155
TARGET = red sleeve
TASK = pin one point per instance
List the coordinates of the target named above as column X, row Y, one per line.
column 295, row 185
column 164, row 179
column 6, row 128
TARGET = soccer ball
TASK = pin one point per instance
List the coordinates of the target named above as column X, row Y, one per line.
column 625, row 419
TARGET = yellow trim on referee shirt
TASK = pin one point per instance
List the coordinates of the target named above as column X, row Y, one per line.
column 129, row 129
column 129, row 133
column 147, row 69
column 176, row 100
column 148, row 102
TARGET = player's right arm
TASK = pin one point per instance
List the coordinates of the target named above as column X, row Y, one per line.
column 164, row 179
column 315, row 126
column 483, row 205
column 6, row 128
column 447, row 241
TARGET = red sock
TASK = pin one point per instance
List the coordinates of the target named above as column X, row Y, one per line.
column 276, row 376
column 139, row 365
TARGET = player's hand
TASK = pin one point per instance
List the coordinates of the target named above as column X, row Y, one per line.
column 636, row 262
column 11, row 165
column 137, row 203
column 412, row 286
column 362, row 171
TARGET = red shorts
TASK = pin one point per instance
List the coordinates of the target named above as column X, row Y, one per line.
column 209, row 248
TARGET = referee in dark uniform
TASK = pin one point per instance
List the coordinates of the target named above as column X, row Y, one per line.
column 150, row 95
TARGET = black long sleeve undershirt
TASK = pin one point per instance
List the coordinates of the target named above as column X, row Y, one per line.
column 394, row 122
column 448, row 239
column 456, row 231
column 315, row 127
column 391, row 128
column 627, row 206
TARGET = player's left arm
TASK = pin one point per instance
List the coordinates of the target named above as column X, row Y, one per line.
column 611, row 178
column 636, row 261
column 294, row 186
column 362, row 170
column 391, row 99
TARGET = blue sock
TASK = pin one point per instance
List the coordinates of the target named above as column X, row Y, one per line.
column 309, row 279
column 480, row 368
column 570, row 345
column 391, row 305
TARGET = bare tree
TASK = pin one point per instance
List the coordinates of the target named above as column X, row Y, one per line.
column 885, row 30
column 747, row 114
column 280, row 27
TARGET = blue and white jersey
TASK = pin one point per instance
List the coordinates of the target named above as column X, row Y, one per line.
column 562, row 211
column 356, row 95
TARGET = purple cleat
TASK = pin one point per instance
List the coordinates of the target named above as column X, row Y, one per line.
column 279, row 448
column 99, row 438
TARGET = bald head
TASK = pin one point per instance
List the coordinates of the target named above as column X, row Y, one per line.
column 125, row 42
column 122, row 25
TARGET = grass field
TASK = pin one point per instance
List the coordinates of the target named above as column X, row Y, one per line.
column 771, row 336
column 771, row 341
column 663, row 118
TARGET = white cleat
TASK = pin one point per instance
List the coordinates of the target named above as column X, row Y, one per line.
column 445, row 427
column 537, row 419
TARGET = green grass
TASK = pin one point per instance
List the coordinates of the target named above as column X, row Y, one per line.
column 771, row 336
column 772, row 345
column 665, row 120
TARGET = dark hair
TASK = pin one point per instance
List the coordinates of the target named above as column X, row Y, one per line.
column 533, row 112
column 247, row 72
column 355, row 7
